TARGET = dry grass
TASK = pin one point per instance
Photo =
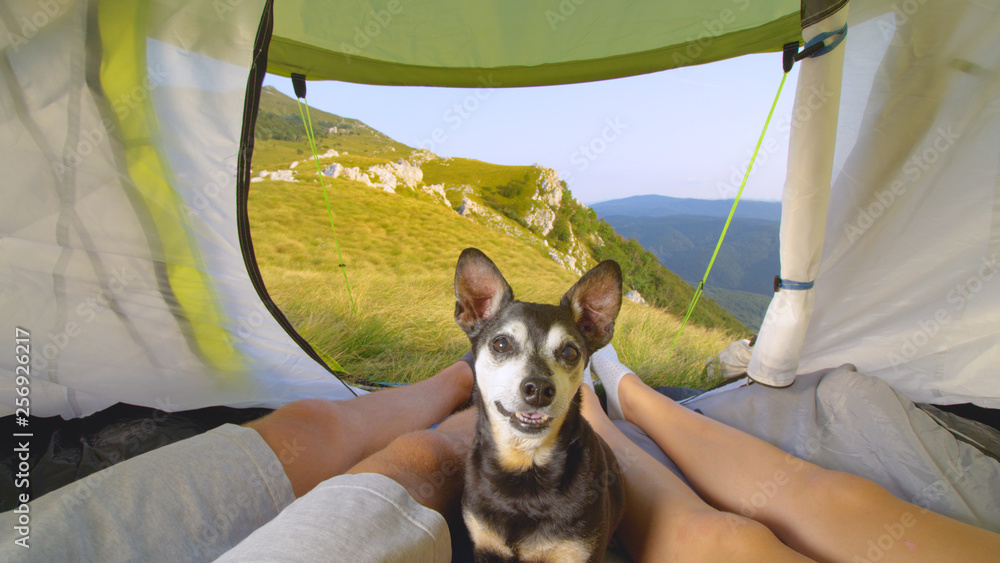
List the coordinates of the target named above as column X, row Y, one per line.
column 400, row 254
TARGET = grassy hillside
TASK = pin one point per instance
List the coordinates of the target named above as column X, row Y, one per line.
column 401, row 275
column 400, row 251
column 748, row 307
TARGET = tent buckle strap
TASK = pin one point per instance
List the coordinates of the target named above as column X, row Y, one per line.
column 815, row 47
column 791, row 285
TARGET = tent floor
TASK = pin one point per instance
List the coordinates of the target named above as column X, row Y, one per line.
column 63, row 451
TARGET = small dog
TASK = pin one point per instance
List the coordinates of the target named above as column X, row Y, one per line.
column 540, row 484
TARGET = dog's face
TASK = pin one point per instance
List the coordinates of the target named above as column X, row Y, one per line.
column 530, row 357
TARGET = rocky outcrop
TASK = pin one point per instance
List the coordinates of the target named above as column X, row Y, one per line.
column 548, row 199
column 337, row 170
column 541, row 219
column 276, row 175
column 532, row 229
column 567, row 261
column 469, row 208
column 421, row 156
column 328, row 154
column 550, row 187
column 392, row 174
column 386, row 176
column 436, row 191
column 634, row 297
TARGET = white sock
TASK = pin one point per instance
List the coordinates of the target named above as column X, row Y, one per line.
column 605, row 365
column 588, row 379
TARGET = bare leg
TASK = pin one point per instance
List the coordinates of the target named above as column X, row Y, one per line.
column 666, row 521
column 429, row 464
column 824, row 514
column 316, row 439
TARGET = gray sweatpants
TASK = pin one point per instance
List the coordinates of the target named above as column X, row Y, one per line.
column 224, row 494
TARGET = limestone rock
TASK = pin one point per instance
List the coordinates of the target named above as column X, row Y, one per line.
column 541, row 218
column 329, row 154
column 334, row 170
column 421, row 156
column 550, row 187
column 386, row 179
column 468, row 207
column 283, row 176
column 437, row 190
column 634, row 297
column 392, row 174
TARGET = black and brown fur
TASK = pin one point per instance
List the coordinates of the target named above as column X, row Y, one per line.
column 540, row 484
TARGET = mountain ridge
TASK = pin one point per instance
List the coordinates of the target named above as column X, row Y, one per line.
column 742, row 276
column 653, row 205
column 531, row 204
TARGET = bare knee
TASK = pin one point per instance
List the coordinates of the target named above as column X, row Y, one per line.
column 725, row 537
column 307, row 418
column 428, row 464
column 307, row 428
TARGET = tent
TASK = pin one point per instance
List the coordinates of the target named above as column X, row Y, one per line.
column 127, row 134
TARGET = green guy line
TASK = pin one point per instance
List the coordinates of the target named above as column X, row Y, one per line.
column 701, row 285
column 307, row 121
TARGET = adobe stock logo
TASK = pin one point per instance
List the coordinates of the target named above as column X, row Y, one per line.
column 586, row 153
column 459, row 112
column 915, row 167
column 376, row 22
column 30, row 26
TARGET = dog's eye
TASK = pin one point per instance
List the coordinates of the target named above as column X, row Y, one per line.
column 569, row 353
column 501, row 344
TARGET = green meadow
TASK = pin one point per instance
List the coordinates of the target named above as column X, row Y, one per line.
column 395, row 323
column 399, row 255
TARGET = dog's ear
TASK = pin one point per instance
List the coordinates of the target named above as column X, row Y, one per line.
column 595, row 301
column 480, row 289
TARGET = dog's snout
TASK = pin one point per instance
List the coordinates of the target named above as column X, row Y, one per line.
column 538, row 391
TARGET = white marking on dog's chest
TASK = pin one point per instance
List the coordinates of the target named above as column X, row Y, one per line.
column 543, row 549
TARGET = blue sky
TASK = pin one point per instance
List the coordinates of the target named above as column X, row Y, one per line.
column 685, row 132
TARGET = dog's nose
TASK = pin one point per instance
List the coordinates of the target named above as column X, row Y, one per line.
column 538, row 391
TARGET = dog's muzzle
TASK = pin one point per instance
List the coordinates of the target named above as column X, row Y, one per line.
column 527, row 422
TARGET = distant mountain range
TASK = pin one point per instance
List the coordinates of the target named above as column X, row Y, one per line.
column 663, row 206
column 683, row 233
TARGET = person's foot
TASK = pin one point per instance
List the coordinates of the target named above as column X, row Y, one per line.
column 606, row 366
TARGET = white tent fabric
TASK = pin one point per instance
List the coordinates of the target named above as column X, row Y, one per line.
column 103, row 147
column 908, row 289
column 803, row 208
column 93, row 172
